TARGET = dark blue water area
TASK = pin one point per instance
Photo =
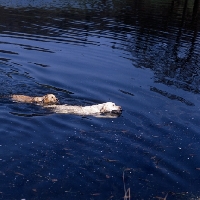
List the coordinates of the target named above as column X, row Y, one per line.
column 142, row 55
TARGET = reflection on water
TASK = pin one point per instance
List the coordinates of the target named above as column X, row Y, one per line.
column 142, row 55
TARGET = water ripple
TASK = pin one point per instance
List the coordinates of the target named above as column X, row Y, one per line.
column 141, row 55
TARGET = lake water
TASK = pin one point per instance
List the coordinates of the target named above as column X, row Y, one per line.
column 142, row 55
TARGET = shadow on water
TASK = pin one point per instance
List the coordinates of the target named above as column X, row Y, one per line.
column 174, row 59
column 142, row 55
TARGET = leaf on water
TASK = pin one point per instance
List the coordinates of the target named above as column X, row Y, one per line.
column 19, row 174
column 124, row 131
column 107, row 176
column 109, row 160
column 95, row 194
column 69, row 154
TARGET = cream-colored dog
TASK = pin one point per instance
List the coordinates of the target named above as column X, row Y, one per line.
column 47, row 99
column 107, row 108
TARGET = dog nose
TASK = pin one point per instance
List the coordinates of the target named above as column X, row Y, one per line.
column 57, row 101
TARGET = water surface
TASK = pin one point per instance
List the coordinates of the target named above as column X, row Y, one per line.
column 142, row 55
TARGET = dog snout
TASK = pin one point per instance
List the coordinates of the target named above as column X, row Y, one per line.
column 120, row 109
column 117, row 111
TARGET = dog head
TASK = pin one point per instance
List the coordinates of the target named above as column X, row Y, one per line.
column 49, row 99
column 110, row 107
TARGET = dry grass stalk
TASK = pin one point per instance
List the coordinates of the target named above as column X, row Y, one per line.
column 127, row 192
column 127, row 195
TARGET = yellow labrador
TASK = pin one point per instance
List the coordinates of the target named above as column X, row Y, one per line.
column 46, row 99
column 107, row 108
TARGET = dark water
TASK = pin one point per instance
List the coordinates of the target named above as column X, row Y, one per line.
column 142, row 55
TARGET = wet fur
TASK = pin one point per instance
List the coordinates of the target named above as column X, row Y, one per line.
column 104, row 108
column 46, row 99
column 108, row 109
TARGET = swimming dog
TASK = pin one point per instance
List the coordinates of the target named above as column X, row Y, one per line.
column 107, row 108
column 46, row 99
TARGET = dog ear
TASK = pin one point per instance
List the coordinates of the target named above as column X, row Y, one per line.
column 44, row 99
column 102, row 110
